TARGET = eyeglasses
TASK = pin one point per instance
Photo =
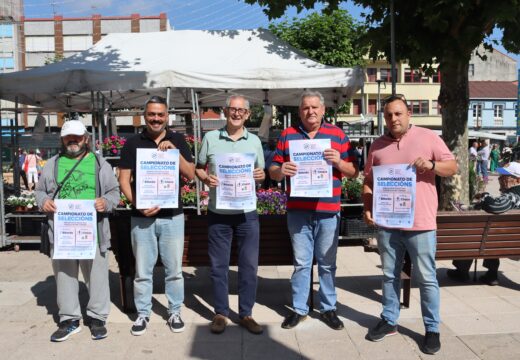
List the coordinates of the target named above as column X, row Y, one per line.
column 395, row 97
column 240, row 111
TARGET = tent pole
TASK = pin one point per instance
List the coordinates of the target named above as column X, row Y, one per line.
column 92, row 114
column 196, row 135
column 3, row 235
column 15, row 148
column 101, row 120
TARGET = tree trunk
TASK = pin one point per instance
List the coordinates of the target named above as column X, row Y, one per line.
column 454, row 101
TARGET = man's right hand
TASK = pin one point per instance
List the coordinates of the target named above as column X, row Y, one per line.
column 150, row 212
column 289, row 168
column 49, row 206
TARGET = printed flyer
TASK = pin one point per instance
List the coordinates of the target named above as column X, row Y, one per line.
column 157, row 178
column 75, row 230
column 314, row 175
column 236, row 189
column 393, row 201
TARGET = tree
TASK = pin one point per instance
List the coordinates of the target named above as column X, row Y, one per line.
column 430, row 32
column 332, row 39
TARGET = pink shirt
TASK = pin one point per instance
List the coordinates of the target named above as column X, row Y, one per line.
column 416, row 142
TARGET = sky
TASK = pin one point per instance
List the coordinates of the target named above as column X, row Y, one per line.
column 182, row 14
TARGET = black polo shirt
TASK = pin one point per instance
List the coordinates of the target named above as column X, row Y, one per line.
column 142, row 141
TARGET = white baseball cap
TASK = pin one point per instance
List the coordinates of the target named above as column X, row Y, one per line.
column 511, row 169
column 73, row 127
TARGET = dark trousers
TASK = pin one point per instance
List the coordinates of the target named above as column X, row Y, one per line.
column 222, row 229
column 24, row 178
column 490, row 264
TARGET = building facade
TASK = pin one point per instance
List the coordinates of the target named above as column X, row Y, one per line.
column 493, row 107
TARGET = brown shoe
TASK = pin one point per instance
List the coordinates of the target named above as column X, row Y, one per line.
column 251, row 325
column 218, row 325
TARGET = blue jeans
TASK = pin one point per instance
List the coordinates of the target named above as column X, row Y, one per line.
column 313, row 234
column 421, row 245
column 222, row 229
column 150, row 237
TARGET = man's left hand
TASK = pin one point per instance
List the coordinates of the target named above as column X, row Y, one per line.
column 165, row 145
column 259, row 174
column 100, row 204
column 332, row 156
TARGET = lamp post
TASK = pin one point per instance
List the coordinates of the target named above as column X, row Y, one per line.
column 379, row 108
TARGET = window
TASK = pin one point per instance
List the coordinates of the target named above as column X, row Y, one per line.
column 6, row 31
column 356, row 107
column 471, row 70
column 436, row 107
column 414, row 76
column 419, row 107
column 372, row 74
column 372, row 106
column 386, row 75
column 498, row 115
column 436, row 77
column 477, row 111
column 6, row 63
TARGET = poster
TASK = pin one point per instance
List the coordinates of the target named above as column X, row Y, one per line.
column 75, row 230
column 157, row 179
column 314, row 175
column 236, row 189
column 393, row 204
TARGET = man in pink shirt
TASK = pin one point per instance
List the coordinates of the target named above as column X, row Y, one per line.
column 424, row 150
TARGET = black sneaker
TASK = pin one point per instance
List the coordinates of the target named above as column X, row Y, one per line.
column 487, row 278
column 457, row 275
column 98, row 330
column 432, row 343
column 331, row 319
column 175, row 323
column 65, row 329
column 293, row 320
column 139, row 327
column 381, row 330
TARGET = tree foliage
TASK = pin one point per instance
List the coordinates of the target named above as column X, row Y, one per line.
column 331, row 39
column 434, row 32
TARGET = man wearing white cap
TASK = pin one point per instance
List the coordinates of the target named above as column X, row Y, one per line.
column 509, row 181
column 91, row 177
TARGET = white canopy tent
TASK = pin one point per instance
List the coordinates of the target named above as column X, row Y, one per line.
column 128, row 68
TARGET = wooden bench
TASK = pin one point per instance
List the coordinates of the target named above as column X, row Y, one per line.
column 275, row 247
column 469, row 235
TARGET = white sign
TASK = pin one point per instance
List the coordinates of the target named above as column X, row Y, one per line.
column 157, row 179
column 75, row 230
column 314, row 175
column 393, row 204
column 236, row 188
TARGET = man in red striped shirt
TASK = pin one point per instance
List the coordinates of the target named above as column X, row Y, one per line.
column 313, row 223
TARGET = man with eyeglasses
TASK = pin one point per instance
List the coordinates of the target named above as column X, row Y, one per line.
column 225, row 224
column 313, row 222
column 155, row 230
column 423, row 149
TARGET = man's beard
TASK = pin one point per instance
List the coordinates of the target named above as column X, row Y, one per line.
column 66, row 149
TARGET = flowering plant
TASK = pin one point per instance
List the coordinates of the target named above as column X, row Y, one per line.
column 271, row 202
column 351, row 189
column 113, row 144
column 124, row 202
column 190, row 139
column 189, row 197
column 26, row 199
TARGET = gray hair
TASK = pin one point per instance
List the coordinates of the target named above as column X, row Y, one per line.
column 312, row 93
column 156, row 100
column 237, row 96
